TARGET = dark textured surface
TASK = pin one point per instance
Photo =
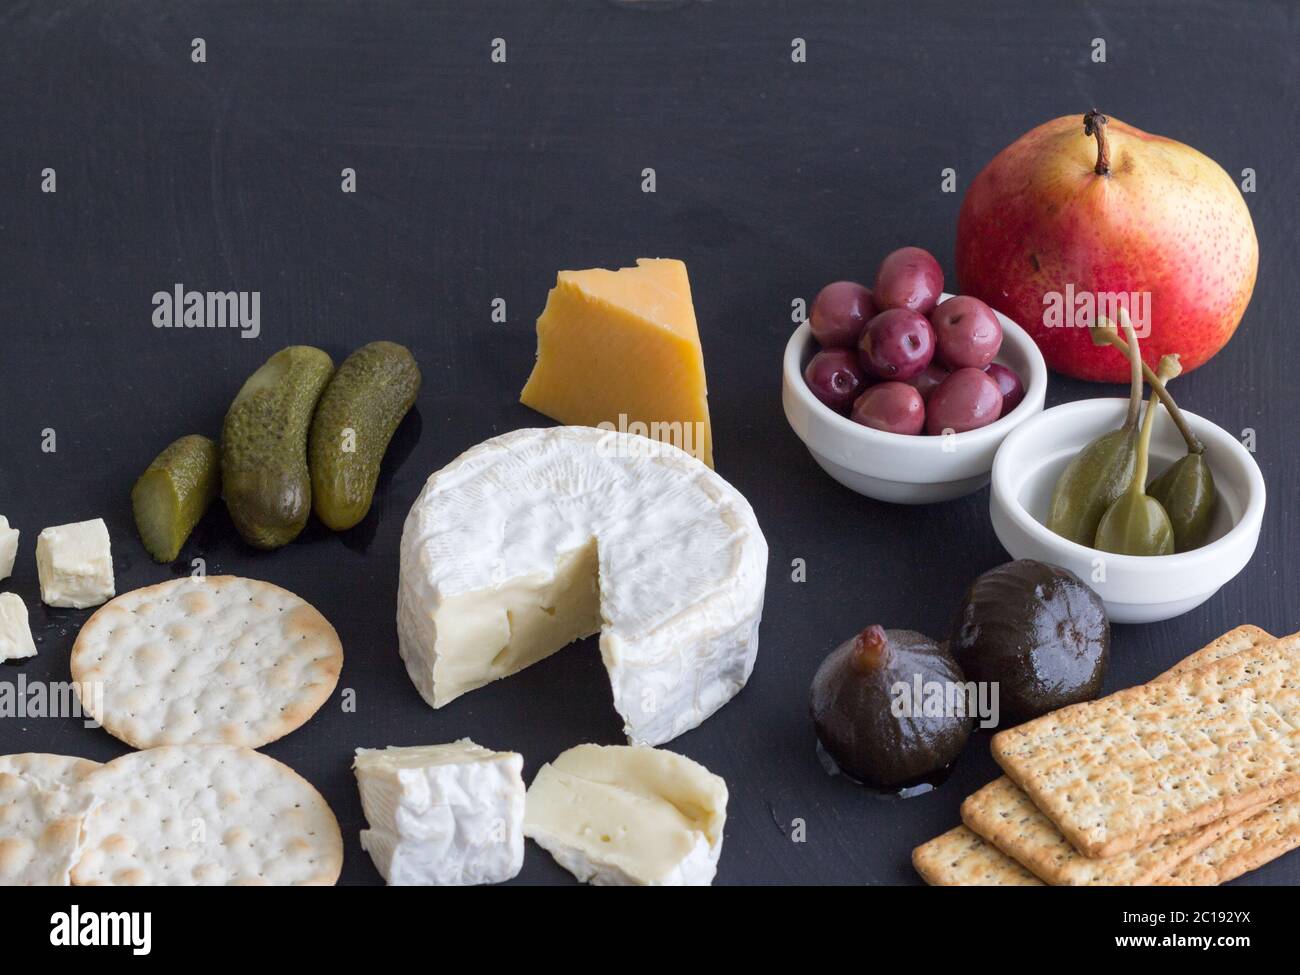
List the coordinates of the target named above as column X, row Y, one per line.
column 479, row 180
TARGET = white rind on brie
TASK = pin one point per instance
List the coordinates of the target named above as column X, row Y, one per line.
column 15, row 632
column 442, row 814
column 8, row 548
column 629, row 815
column 75, row 564
column 540, row 537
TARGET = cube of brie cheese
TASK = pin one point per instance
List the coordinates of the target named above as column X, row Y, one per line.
column 15, row 635
column 75, row 564
column 621, row 815
column 8, row 548
column 442, row 814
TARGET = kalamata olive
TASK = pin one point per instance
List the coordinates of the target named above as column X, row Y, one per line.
column 966, row 400
column 839, row 312
column 966, row 332
column 927, row 379
column 897, row 344
column 893, row 407
column 1009, row 384
column 908, row 278
column 834, row 377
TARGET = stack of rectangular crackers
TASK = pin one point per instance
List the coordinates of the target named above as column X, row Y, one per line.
column 1192, row 779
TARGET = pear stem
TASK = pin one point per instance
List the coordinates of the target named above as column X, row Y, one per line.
column 1194, row 445
column 1094, row 124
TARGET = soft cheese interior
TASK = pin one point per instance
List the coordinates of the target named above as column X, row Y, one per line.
column 493, row 633
column 621, row 815
column 75, row 564
column 8, row 548
column 15, row 632
column 540, row 537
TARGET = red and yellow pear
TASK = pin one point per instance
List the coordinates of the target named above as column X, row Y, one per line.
column 1075, row 213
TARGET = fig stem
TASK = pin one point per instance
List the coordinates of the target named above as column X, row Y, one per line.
column 1194, row 445
column 872, row 650
column 1094, row 124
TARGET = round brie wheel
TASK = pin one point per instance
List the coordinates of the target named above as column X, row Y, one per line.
column 540, row 537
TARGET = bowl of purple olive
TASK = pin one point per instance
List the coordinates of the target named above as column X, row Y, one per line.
column 902, row 392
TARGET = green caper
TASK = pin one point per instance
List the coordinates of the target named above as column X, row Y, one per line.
column 1102, row 471
column 1136, row 523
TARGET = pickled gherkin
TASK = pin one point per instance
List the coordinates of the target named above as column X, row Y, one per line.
column 264, row 475
column 356, row 418
column 173, row 493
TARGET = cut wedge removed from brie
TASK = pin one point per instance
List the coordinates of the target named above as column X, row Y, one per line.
column 537, row 538
column 620, row 815
column 442, row 814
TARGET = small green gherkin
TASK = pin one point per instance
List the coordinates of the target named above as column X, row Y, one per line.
column 357, row 415
column 173, row 493
column 264, row 475
column 1137, row 524
column 1103, row 470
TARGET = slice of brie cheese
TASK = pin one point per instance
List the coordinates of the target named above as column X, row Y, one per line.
column 8, row 548
column 15, row 634
column 75, row 564
column 540, row 537
column 442, row 814
column 622, row 815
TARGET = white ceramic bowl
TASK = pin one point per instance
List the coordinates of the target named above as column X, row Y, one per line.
column 899, row 468
column 1136, row 589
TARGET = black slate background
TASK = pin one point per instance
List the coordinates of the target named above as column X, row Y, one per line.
column 479, row 180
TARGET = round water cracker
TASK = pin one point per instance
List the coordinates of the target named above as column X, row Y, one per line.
column 217, row 660
column 210, row 815
column 40, row 831
column 48, row 771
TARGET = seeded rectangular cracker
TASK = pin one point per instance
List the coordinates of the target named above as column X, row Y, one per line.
column 1233, row 642
column 959, row 858
column 1265, row 836
column 1165, row 757
column 1004, row 816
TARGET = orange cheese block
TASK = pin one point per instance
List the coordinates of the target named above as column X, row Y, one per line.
column 621, row 349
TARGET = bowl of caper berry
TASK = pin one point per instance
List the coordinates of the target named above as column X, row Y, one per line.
column 1150, row 577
